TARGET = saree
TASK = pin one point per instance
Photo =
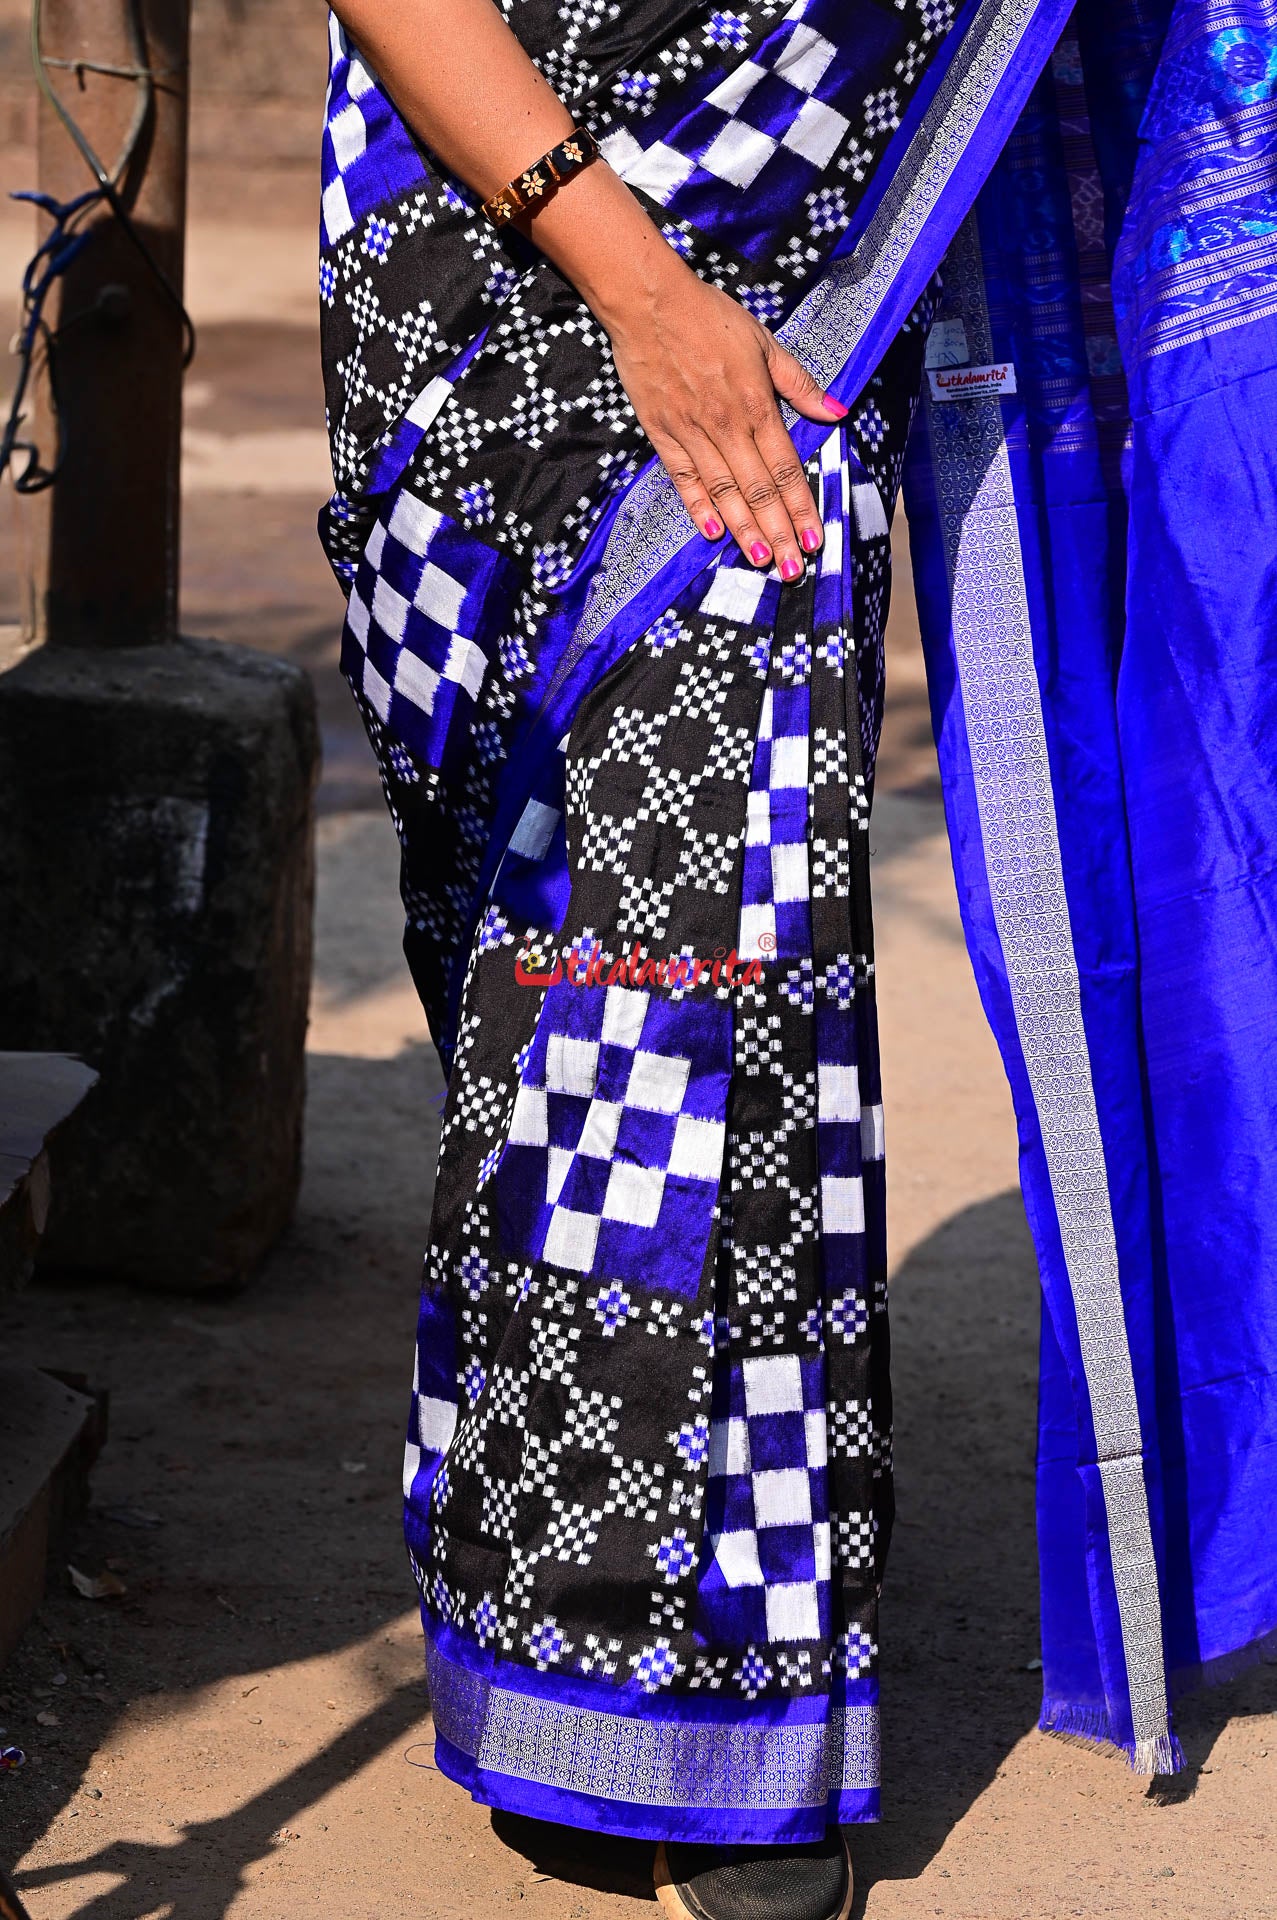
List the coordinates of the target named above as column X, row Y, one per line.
column 1094, row 563
column 647, row 1480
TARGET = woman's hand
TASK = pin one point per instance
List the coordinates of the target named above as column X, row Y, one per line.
column 703, row 377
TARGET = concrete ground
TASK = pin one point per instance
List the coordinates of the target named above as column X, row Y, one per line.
column 243, row 1734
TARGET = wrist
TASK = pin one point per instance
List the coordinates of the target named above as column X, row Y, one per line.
column 641, row 283
column 598, row 234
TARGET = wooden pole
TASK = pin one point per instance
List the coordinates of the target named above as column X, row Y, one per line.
column 106, row 543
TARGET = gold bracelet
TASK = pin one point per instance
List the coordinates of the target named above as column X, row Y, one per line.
column 541, row 179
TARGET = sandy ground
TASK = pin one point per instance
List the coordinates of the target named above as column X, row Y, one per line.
column 244, row 1734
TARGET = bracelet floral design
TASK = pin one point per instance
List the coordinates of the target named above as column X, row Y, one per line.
column 536, row 184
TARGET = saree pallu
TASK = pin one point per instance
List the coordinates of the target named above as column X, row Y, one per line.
column 1094, row 555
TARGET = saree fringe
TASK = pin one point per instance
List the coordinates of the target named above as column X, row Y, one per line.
column 1067, row 1721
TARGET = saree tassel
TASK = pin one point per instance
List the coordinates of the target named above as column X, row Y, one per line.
column 1159, row 1753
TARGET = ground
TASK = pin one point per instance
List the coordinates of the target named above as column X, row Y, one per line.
column 244, row 1733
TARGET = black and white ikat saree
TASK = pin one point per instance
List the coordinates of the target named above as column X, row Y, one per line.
column 647, row 1482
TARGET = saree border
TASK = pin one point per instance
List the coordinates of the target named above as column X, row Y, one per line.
column 703, row 1760
column 835, row 316
column 1019, row 829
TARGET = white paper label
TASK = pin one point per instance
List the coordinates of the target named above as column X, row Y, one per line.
column 972, row 383
column 947, row 345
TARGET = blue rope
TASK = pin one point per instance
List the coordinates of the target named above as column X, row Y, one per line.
column 47, row 264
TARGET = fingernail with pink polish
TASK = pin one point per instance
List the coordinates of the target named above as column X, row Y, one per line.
column 713, row 529
column 760, row 554
column 809, row 539
column 836, row 407
column 790, row 568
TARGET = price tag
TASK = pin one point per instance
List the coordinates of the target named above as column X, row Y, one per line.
column 947, row 345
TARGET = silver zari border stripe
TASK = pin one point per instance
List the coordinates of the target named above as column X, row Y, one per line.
column 826, row 326
column 654, row 1762
column 993, row 643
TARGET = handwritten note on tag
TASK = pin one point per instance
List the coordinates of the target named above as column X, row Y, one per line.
column 947, row 344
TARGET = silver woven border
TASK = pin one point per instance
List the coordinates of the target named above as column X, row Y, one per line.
column 656, row 1762
column 993, row 644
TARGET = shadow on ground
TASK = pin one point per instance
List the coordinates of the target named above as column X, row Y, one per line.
column 249, row 1493
column 233, row 1419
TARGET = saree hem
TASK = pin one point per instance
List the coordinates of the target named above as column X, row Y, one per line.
column 707, row 1827
column 1066, row 1720
column 662, row 1767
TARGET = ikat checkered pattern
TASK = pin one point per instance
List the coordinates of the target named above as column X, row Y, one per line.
column 774, row 918
column 577, row 1231
column 418, row 638
column 769, row 128
column 767, row 1511
column 368, row 152
column 847, row 1136
column 615, row 1148
column 432, row 1418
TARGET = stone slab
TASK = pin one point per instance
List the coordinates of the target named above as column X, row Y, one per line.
column 38, row 1092
column 47, row 1436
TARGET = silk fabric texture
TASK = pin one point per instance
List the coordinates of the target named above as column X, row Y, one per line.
column 558, row 552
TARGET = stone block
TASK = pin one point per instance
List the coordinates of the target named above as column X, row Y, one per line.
column 156, row 891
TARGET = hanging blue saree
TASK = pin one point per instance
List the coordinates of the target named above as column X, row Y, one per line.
column 647, row 1481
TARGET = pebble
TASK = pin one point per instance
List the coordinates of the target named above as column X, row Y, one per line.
column 91, row 1793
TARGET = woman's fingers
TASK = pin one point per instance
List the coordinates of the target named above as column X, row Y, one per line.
column 687, row 477
column 793, row 382
column 748, row 500
column 766, row 503
column 739, row 470
column 777, row 452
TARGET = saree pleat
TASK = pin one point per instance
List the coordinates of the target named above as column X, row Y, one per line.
column 665, row 1500
column 648, row 1492
column 649, row 1539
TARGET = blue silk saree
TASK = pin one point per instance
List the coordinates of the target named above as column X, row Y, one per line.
column 647, row 1481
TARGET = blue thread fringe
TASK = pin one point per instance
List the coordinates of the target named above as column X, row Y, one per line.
column 1161, row 1755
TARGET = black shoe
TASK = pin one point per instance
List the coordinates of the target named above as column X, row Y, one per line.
column 755, row 1883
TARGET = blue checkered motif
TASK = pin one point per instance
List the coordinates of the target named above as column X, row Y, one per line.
column 432, row 1419
column 764, row 135
column 849, row 1136
column 775, row 901
column 419, row 636
column 534, row 882
column 368, row 153
column 615, row 1147
column 767, row 1577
